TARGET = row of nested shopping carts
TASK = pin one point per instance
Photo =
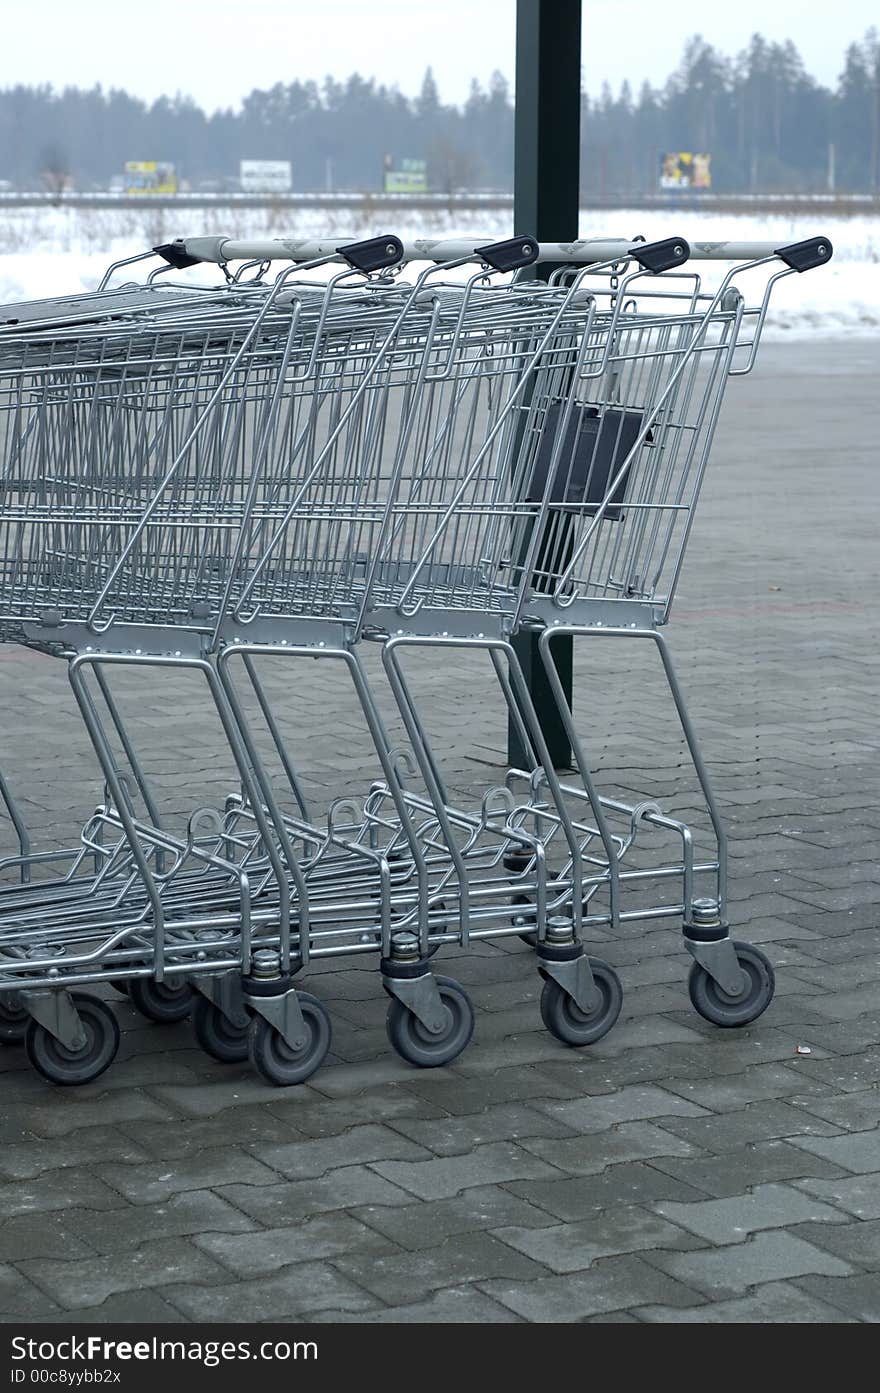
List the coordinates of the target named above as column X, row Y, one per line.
column 423, row 448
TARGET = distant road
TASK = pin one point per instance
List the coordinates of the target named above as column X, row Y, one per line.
column 840, row 205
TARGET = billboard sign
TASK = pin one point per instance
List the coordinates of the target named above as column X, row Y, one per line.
column 150, row 177
column 265, row 176
column 406, row 176
column 683, row 170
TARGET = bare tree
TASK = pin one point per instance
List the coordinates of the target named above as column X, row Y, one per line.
column 55, row 172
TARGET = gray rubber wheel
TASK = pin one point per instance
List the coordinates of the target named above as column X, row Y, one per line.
column 218, row 1036
column 273, row 1058
column 67, row 1067
column 717, row 1006
column 565, row 1019
column 416, row 1044
column 13, row 1020
column 162, row 1002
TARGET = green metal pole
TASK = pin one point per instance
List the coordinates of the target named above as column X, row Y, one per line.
column 546, row 204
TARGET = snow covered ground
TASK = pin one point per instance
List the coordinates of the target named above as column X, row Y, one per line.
column 57, row 251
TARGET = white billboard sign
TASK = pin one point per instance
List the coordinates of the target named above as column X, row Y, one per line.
column 265, row 176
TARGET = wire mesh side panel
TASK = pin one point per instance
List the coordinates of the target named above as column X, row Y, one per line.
column 129, row 455
column 619, row 464
column 584, row 480
column 337, row 539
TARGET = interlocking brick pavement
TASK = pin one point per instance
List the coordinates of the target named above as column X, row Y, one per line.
column 673, row 1172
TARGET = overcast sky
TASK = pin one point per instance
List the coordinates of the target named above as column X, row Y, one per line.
column 218, row 50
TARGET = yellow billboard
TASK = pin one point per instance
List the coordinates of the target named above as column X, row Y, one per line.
column 150, row 177
column 683, row 170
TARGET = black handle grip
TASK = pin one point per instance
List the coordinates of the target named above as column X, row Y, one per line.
column 661, row 256
column 374, row 254
column 176, row 255
column 803, row 256
column 509, row 255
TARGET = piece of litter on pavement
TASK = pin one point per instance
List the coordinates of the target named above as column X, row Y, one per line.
column 803, row 1049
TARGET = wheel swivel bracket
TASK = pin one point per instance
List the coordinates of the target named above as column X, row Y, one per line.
column 575, row 977
column 284, row 1012
column 720, row 961
column 55, row 1012
column 421, row 995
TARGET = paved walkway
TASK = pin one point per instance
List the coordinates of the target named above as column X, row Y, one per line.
column 674, row 1172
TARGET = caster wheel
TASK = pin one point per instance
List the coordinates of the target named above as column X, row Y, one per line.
column 565, row 1019
column 217, row 1035
column 63, row 1066
column 416, row 1044
column 715, row 1005
column 273, row 1058
column 13, row 1020
column 163, row 1002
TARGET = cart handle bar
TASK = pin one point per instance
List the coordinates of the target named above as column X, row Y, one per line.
column 189, row 251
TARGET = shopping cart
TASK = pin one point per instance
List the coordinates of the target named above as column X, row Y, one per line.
column 320, row 518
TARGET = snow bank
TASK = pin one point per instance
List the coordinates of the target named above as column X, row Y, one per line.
column 57, row 251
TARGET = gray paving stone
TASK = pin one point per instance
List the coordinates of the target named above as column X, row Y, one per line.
column 485, row 1165
column 776, row 1303
column 348, row 1080
column 57, row 1189
column 765, row 1257
column 187, row 1136
column 513, row 1052
column 302, row 1160
column 733, row 1219
column 396, row 1278
column 253, row 1254
column 85, row 1107
column 649, row 1031
column 856, row 1242
column 855, row 1151
column 327, row 1118
column 20, row 1298
column 190, row 1212
column 138, row 1307
column 753, row 1123
column 449, row 1136
column 291, row 1201
column 858, row 1195
column 733, row 1172
column 296, row 1291
column 857, row 1296
column 593, row 1152
column 852, row 1073
column 574, row 1198
column 857, row 1112
column 429, row 1222
column 25, row 1160
column 89, row 1281
column 762, row 1081
column 460, row 1305
column 454, row 1094
column 156, row 1181
column 50, row 1235
column 628, row 1105
column 575, row 1247
column 207, row 1099
column 611, row 1285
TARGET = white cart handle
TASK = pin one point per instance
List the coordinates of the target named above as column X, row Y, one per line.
column 189, row 251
